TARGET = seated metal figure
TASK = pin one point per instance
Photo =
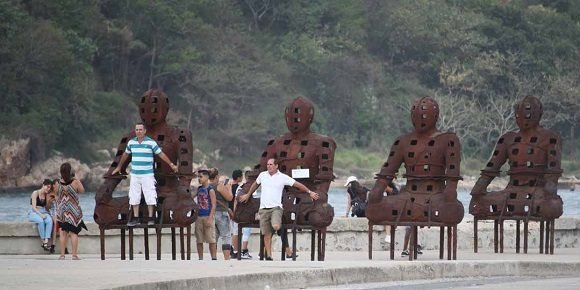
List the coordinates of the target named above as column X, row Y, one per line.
column 432, row 160
column 533, row 154
column 305, row 156
column 173, row 189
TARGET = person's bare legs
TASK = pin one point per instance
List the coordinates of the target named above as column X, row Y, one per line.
column 63, row 238
column 235, row 243
column 150, row 209
column 213, row 250
column 53, row 235
column 387, row 234
column 268, row 244
column 268, row 240
column 200, row 251
column 74, row 238
column 407, row 238
column 136, row 211
column 226, row 253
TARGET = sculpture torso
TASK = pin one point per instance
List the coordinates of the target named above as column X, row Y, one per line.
column 176, row 143
column 431, row 163
column 534, row 160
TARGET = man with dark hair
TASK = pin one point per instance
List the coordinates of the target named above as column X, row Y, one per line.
column 273, row 182
column 143, row 149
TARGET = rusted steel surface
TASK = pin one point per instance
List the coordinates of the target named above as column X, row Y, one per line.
column 534, row 157
column 172, row 189
column 298, row 149
column 431, row 160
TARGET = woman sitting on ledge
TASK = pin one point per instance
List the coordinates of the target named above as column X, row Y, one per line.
column 38, row 213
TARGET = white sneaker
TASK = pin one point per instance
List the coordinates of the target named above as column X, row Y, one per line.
column 387, row 238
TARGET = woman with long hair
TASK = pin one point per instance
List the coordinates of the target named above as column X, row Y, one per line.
column 69, row 212
column 39, row 214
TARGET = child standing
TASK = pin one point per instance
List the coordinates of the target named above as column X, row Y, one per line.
column 205, row 223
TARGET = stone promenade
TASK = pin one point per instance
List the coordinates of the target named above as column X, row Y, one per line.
column 340, row 268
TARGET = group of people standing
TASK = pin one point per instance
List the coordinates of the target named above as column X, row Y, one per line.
column 55, row 207
column 216, row 199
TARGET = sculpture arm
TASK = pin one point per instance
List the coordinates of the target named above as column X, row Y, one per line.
column 303, row 188
column 166, row 159
column 185, row 157
column 325, row 155
column 244, row 197
column 492, row 169
column 452, row 167
column 388, row 172
column 554, row 164
column 268, row 153
column 119, row 166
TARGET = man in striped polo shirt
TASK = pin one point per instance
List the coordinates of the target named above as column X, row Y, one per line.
column 142, row 148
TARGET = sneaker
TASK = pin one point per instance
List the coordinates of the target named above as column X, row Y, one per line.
column 133, row 222
column 404, row 253
column 246, row 255
column 52, row 249
column 419, row 250
column 233, row 255
column 151, row 222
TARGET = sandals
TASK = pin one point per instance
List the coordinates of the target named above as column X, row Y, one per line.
column 75, row 257
column 61, row 257
column 45, row 247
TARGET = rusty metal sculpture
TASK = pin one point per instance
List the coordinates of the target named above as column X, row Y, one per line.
column 175, row 206
column 299, row 151
column 533, row 154
column 432, row 160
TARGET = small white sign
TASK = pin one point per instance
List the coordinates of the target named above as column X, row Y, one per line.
column 301, row 173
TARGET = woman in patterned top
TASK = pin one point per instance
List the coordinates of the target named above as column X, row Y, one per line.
column 69, row 213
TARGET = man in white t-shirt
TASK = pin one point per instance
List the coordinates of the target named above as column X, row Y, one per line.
column 273, row 183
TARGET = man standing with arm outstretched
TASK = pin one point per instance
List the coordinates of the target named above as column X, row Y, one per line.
column 143, row 150
column 273, row 182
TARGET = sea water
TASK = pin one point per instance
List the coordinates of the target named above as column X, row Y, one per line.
column 14, row 206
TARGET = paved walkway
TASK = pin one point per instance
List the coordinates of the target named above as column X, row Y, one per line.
column 46, row 272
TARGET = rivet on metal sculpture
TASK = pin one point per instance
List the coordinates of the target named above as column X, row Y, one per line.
column 429, row 198
column 176, row 208
column 533, row 154
column 309, row 158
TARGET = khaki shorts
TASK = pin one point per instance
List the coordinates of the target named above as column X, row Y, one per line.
column 270, row 217
column 204, row 230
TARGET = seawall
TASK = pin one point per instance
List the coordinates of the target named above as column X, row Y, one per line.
column 344, row 234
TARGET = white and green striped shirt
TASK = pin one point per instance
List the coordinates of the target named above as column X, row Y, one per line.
column 142, row 155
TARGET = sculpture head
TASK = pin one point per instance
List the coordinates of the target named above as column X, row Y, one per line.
column 153, row 107
column 299, row 115
column 424, row 114
column 528, row 112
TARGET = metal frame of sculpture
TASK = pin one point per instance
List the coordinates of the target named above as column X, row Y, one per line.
column 175, row 207
column 429, row 198
column 298, row 149
column 534, row 156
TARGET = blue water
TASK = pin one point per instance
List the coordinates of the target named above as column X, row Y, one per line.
column 14, row 206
